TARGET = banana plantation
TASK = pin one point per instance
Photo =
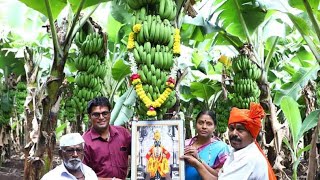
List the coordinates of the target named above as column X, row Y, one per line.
column 159, row 60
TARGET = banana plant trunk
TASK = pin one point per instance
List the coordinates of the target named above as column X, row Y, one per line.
column 31, row 70
column 40, row 163
column 271, row 122
column 313, row 160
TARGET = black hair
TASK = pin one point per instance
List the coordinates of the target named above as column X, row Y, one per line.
column 210, row 113
column 98, row 101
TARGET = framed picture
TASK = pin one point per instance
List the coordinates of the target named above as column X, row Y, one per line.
column 156, row 148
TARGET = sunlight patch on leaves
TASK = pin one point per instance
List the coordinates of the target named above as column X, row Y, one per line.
column 56, row 6
column 113, row 27
column 75, row 3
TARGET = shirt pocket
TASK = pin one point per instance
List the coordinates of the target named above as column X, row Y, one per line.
column 121, row 157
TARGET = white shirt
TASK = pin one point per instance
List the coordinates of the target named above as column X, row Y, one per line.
column 245, row 164
column 61, row 173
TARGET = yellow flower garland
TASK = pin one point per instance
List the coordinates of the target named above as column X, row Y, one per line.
column 176, row 43
column 136, row 28
column 136, row 81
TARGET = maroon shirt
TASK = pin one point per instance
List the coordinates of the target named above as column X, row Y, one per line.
column 108, row 158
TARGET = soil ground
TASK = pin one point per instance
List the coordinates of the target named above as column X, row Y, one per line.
column 12, row 169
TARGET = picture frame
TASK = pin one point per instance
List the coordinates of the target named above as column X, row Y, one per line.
column 156, row 148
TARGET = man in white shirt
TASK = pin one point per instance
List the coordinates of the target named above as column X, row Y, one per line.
column 246, row 160
column 72, row 168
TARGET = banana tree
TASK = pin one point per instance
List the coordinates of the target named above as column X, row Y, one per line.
column 305, row 19
column 297, row 129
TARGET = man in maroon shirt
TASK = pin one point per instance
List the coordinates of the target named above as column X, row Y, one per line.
column 106, row 147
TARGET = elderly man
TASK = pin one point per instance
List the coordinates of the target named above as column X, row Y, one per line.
column 72, row 168
column 246, row 160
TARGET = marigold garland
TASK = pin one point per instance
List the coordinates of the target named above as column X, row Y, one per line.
column 151, row 105
column 176, row 43
column 136, row 28
column 130, row 44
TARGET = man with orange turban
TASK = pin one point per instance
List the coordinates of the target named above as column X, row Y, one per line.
column 247, row 160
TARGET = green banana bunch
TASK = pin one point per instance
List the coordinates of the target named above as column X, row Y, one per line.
column 92, row 44
column 80, row 38
column 137, row 4
column 245, row 87
column 222, row 111
column 20, row 96
column 84, row 62
column 68, row 110
column 153, row 49
column 167, row 9
column 90, row 65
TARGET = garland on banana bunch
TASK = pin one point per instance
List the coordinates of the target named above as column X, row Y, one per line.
column 20, row 96
column 153, row 45
column 246, row 89
column 90, row 65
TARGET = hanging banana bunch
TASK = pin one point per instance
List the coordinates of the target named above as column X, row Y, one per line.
column 68, row 110
column 90, row 65
column 20, row 96
column 245, row 87
column 222, row 111
column 153, row 45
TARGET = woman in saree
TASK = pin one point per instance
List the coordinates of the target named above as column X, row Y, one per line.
column 207, row 148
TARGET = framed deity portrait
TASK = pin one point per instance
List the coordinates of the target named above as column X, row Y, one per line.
column 156, row 148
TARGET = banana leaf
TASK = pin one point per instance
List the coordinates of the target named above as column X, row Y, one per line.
column 58, row 5
column 291, row 111
column 123, row 110
column 296, row 83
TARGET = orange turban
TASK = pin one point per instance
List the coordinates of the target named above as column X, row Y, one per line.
column 251, row 119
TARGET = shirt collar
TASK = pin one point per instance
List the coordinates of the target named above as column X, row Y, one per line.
column 242, row 152
column 95, row 135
